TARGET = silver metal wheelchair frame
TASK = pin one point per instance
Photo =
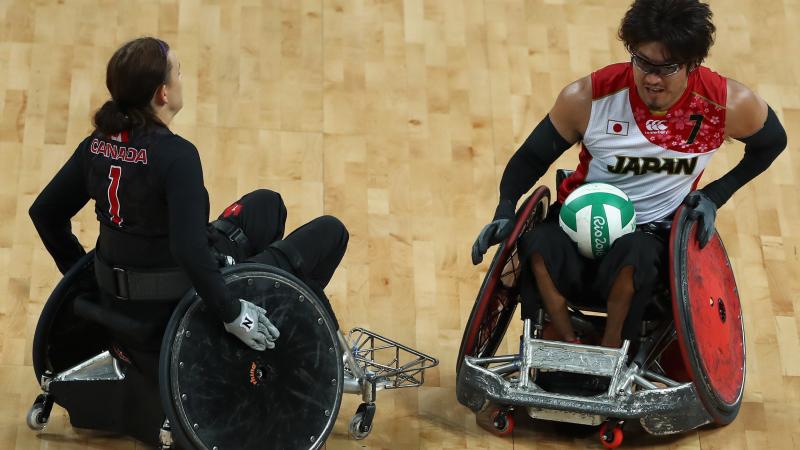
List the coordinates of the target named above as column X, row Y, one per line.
column 638, row 387
column 632, row 393
column 366, row 376
column 371, row 363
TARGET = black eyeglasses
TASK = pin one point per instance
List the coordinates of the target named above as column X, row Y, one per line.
column 662, row 70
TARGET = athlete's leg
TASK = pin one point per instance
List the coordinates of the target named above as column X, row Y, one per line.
column 554, row 303
column 312, row 251
column 628, row 274
column 619, row 302
column 261, row 215
column 558, row 271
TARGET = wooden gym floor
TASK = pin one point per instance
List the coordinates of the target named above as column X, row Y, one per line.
column 398, row 117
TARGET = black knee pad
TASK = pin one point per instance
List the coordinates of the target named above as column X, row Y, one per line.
column 268, row 197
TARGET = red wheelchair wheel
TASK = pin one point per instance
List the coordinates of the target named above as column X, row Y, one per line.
column 708, row 319
column 499, row 293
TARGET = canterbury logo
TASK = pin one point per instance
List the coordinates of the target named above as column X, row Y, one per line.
column 656, row 125
column 247, row 323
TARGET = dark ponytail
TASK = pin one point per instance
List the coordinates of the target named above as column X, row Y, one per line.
column 133, row 75
column 109, row 119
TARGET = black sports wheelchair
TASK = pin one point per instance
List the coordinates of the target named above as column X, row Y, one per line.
column 213, row 392
column 688, row 368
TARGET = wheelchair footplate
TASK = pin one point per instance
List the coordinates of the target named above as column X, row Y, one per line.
column 373, row 363
column 600, row 386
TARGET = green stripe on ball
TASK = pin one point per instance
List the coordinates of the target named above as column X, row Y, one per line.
column 595, row 215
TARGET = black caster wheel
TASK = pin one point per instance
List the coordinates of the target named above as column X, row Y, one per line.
column 39, row 413
column 361, row 423
column 356, row 427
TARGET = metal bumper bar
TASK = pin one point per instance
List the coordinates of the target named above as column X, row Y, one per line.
column 662, row 405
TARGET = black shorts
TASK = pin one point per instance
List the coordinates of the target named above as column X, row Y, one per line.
column 587, row 282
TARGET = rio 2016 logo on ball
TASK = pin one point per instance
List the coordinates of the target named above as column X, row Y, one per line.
column 595, row 215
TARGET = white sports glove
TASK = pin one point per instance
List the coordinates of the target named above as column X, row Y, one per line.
column 253, row 327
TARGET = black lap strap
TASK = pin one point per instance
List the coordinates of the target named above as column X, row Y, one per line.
column 234, row 234
column 127, row 284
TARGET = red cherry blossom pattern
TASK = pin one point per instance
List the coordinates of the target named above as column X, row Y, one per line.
column 679, row 125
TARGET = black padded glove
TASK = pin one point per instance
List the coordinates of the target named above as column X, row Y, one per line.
column 494, row 232
column 701, row 207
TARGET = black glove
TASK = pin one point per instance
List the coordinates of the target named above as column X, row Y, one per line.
column 494, row 232
column 701, row 207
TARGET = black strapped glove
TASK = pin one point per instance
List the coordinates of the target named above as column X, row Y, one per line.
column 494, row 232
column 701, row 207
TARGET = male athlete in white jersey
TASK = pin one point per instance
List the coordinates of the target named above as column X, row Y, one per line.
column 649, row 127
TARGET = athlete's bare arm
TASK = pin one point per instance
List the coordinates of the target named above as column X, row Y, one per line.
column 746, row 112
column 570, row 113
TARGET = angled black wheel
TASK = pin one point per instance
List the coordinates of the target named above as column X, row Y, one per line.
column 218, row 393
column 62, row 338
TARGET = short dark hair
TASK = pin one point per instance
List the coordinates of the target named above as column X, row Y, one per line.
column 684, row 27
column 133, row 74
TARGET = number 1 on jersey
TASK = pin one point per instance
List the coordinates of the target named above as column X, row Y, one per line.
column 114, row 174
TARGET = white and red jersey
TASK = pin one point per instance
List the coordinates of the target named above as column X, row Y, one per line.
column 655, row 159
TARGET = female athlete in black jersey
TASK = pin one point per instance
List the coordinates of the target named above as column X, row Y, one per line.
column 155, row 239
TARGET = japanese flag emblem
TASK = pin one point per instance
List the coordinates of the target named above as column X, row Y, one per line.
column 617, row 127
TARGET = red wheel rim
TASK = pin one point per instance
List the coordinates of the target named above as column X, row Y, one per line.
column 708, row 318
column 492, row 310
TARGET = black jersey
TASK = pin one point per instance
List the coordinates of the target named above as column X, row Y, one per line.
column 150, row 201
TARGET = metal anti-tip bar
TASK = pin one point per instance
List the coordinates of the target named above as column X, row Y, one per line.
column 505, row 368
column 641, row 381
column 660, row 378
column 493, row 359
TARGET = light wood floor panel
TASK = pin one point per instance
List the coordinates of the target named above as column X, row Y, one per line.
column 397, row 116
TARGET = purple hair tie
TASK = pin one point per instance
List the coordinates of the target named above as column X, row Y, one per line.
column 163, row 47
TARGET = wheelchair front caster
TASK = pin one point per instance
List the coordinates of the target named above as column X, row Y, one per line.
column 611, row 434
column 503, row 422
column 361, row 423
column 498, row 420
column 39, row 413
